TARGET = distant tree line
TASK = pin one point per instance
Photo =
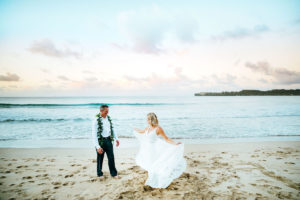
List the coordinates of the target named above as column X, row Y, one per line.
column 276, row 92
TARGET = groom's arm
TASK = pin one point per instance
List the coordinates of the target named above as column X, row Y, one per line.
column 94, row 134
column 116, row 136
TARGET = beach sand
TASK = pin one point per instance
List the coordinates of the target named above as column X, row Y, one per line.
column 254, row 170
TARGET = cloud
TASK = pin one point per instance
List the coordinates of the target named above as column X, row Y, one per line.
column 47, row 48
column 240, row 33
column 177, row 81
column 64, row 78
column 281, row 75
column 226, row 79
column 87, row 72
column 45, row 70
column 9, row 77
column 148, row 33
column 91, row 79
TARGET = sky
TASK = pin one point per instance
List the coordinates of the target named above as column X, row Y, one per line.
column 147, row 48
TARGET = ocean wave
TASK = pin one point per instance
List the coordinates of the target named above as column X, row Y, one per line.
column 280, row 135
column 8, row 105
column 42, row 120
column 132, row 137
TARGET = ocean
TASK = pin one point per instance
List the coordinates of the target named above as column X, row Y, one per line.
column 66, row 121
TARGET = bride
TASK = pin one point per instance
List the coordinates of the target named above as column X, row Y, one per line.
column 159, row 155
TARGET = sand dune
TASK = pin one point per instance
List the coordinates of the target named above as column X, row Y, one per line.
column 262, row 170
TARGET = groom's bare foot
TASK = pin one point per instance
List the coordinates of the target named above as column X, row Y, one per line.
column 101, row 178
column 116, row 177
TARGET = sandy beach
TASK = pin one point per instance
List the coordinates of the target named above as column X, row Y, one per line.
column 254, row 170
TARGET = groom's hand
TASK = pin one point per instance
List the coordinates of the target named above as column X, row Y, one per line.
column 118, row 143
column 100, row 150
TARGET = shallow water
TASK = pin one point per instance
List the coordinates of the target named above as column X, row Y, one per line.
column 201, row 118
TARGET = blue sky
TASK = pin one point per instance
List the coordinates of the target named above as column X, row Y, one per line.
column 80, row 21
column 129, row 47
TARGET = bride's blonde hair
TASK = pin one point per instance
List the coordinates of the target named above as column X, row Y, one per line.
column 153, row 119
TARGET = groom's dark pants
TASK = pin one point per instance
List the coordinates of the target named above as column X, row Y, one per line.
column 107, row 148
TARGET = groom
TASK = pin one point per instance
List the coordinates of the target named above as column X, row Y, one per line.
column 103, row 135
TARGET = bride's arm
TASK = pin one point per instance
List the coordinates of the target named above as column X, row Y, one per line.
column 139, row 130
column 161, row 132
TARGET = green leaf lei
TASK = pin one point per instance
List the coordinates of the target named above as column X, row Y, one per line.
column 100, row 129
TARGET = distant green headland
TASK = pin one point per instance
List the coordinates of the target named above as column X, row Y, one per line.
column 276, row 92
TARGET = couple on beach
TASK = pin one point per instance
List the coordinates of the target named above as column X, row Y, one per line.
column 159, row 155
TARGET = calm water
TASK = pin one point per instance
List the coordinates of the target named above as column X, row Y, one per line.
column 35, row 120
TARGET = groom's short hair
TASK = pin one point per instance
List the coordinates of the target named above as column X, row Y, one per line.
column 102, row 107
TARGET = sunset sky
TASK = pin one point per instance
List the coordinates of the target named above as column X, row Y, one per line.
column 111, row 48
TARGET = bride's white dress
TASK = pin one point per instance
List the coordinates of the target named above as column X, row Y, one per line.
column 163, row 161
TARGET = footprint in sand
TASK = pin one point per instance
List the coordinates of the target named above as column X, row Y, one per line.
column 289, row 163
column 92, row 180
column 40, row 170
column 72, row 183
column 21, row 166
column 27, row 177
column 45, row 191
column 68, row 175
column 21, row 184
column 56, row 183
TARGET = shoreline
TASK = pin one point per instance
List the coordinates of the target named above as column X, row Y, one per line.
column 132, row 142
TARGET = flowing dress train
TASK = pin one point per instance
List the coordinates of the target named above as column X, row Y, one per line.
column 163, row 161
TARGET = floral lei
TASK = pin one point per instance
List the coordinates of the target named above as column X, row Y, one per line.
column 100, row 128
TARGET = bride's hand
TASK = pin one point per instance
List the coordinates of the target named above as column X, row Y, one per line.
column 135, row 129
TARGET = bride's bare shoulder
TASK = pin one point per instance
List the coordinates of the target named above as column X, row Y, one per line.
column 159, row 129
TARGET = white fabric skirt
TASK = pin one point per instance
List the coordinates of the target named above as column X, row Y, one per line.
column 163, row 161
